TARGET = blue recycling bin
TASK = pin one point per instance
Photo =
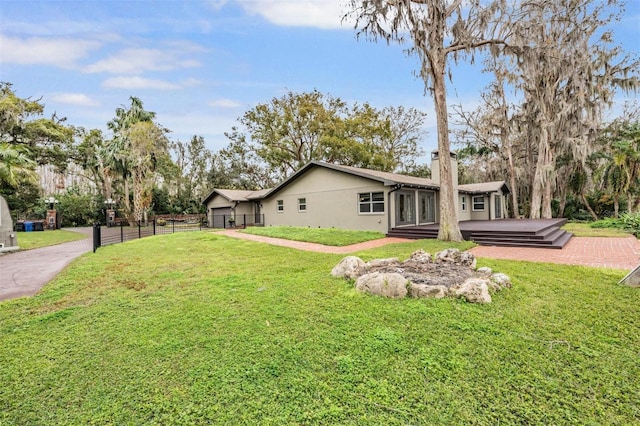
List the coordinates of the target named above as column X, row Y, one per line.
column 28, row 226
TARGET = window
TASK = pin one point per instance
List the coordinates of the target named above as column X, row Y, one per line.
column 371, row 202
column 464, row 203
column 280, row 206
column 302, row 204
column 478, row 203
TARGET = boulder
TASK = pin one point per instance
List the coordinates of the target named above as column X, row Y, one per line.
column 349, row 267
column 424, row 290
column 474, row 290
column 501, row 280
column 485, row 270
column 420, row 256
column 456, row 257
column 392, row 285
column 383, row 263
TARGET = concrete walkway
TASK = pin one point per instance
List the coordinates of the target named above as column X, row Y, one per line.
column 24, row 273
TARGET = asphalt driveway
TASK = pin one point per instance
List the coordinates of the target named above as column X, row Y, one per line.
column 23, row 273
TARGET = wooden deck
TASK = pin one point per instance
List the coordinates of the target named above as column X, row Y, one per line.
column 541, row 233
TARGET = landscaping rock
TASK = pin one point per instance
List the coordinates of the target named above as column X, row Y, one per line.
column 350, row 267
column 451, row 273
column 456, row 257
column 382, row 263
column 419, row 256
column 391, row 285
column 474, row 290
column 501, row 280
column 485, row 270
column 424, row 290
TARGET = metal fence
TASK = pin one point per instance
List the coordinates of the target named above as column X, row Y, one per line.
column 122, row 231
column 236, row 220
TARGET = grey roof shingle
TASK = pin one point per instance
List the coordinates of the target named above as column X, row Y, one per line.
column 386, row 178
column 484, row 187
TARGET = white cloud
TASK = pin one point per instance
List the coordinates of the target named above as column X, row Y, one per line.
column 79, row 99
column 325, row 14
column 139, row 60
column 217, row 4
column 59, row 52
column 224, row 103
column 138, row 83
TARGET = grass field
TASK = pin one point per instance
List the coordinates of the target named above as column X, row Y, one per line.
column 582, row 229
column 31, row 240
column 198, row 328
column 326, row 236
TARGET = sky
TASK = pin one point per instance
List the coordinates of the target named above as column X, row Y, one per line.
column 200, row 64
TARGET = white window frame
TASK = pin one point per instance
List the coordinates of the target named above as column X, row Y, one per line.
column 280, row 206
column 463, row 203
column 302, row 205
column 371, row 203
column 473, row 203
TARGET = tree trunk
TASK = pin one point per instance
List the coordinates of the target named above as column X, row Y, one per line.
column 562, row 195
column 542, row 172
column 449, row 228
column 584, row 200
column 512, row 179
column 616, row 206
column 136, row 215
column 546, row 200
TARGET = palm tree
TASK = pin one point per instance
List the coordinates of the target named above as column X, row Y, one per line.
column 15, row 165
column 116, row 153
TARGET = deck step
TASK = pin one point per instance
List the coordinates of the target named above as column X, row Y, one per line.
column 551, row 237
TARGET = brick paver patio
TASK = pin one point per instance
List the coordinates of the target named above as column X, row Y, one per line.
column 617, row 253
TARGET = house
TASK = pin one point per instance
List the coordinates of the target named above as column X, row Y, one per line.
column 230, row 206
column 330, row 195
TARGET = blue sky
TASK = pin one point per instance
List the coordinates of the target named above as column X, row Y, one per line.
column 201, row 64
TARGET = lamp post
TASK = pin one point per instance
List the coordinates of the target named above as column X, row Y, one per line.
column 110, row 212
column 52, row 214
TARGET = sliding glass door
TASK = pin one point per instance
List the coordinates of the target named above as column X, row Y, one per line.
column 405, row 208
column 427, row 206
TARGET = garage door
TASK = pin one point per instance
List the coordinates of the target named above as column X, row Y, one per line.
column 220, row 216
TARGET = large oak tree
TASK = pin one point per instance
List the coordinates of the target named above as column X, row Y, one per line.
column 438, row 31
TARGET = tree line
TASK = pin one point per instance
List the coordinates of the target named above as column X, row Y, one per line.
column 144, row 172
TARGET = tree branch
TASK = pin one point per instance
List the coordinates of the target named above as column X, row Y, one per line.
column 459, row 47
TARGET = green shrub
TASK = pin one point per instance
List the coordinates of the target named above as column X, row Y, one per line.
column 608, row 223
column 631, row 222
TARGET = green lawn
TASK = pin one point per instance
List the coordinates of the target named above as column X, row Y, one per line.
column 582, row 229
column 198, row 328
column 326, row 236
column 31, row 240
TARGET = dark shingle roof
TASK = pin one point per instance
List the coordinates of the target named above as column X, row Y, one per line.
column 236, row 194
column 386, row 178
